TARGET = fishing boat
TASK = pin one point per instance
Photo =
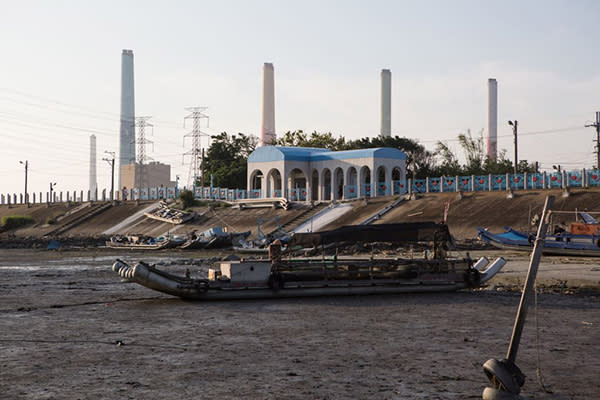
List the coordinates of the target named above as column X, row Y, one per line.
column 564, row 243
column 213, row 238
column 166, row 214
column 278, row 276
column 140, row 242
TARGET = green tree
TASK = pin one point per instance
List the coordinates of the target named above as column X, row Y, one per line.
column 450, row 165
column 319, row 140
column 226, row 159
column 187, row 198
column 419, row 161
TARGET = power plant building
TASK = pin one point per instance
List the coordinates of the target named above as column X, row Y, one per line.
column 153, row 174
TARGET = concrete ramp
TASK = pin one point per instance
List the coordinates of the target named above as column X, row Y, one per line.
column 323, row 218
column 130, row 221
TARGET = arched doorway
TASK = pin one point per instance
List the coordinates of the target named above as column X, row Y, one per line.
column 315, row 185
column 256, row 184
column 382, row 188
column 351, row 183
column 338, row 184
column 274, row 183
column 297, row 185
column 398, row 184
column 365, row 181
column 326, row 184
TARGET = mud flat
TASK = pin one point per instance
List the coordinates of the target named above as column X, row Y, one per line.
column 71, row 330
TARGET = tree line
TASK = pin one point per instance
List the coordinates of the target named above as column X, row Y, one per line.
column 226, row 158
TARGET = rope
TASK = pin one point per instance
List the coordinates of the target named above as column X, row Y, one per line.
column 538, row 369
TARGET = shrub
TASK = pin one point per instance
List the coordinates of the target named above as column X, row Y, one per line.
column 51, row 220
column 16, row 221
column 187, row 199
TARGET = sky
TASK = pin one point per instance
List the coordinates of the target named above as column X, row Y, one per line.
column 60, row 75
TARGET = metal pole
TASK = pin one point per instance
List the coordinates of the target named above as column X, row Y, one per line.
column 598, row 139
column 112, row 180
column 202, row 177
column 515, row 138
column 513, row 347
column 26, row 168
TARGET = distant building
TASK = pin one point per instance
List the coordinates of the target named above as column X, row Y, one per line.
column 304, row 174
column 153, row 174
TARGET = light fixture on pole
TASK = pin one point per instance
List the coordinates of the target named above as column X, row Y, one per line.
column 26, row 164
column 51, row 199
column 111, row 162
column 515, row 125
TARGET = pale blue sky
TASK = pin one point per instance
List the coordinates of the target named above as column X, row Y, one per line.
column 60, row 74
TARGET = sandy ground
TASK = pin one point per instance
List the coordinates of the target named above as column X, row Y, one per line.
column 71, row 330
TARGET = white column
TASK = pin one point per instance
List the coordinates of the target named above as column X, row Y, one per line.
column 492, row 144
column 386, row 102
column 267, row 128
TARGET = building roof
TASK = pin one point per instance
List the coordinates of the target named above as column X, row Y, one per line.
column 281, row 153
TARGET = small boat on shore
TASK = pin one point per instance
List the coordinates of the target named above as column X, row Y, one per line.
column 142, row 242
column 277, row 277
column 564, row 243
column 213, row 238
column 166, row 214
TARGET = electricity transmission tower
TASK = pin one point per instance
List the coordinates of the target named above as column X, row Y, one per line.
column 196, row 114
column 597, row 126
column 141, row 178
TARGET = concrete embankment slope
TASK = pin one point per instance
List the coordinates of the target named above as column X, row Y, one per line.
column 128, row 217
column 491, row 210
column 466, row 212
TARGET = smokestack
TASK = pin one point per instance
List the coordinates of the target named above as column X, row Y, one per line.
column 93, row 180
column 127, row 130
column 492, row 143
column 386, row 102
column 267, row 128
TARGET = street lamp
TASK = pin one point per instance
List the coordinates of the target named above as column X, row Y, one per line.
column 26, row 163
column 51, row 200
column 515, row 125
column 111, row 162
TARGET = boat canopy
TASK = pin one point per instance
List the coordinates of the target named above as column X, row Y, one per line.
column 587, row 218
column 411, row 232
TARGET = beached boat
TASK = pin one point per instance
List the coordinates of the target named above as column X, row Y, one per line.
column 142, row 242
column 166, row 214
column 566, row 244
column 214, row 238
column 332, row 275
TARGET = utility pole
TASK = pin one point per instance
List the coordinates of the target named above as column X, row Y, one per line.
column 597, row 126
column 26, row 163
column 142, row 123
column 111, row 162
column 515, row 125
column 202, row 176
column 197, row 115
column 51, row 200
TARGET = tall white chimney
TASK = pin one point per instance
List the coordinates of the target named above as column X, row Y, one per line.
column 93, row 179
column 386, row 102
column 492, row 142
column 127, row 129
column 267, row 127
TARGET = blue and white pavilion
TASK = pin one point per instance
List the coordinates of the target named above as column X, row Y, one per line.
column 304, row 174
